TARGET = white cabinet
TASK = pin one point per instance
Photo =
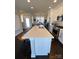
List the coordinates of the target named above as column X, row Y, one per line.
column 40, row 46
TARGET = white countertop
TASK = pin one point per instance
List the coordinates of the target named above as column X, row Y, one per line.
column 37, row 32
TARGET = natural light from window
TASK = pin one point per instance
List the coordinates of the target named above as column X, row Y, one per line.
column 27, row 22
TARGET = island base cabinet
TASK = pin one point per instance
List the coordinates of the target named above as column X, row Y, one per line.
column 40, row 46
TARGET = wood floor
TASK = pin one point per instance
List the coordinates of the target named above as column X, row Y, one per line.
column 20, row 50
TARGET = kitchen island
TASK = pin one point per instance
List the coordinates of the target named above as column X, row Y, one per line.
column 40, row 39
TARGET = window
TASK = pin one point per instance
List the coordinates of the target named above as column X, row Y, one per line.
column 21, row 17
column 27, row 22
column 40, row 19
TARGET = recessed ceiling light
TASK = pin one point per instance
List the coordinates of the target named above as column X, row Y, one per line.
column 49, row 7
column 28, row 1
column 55, row 1
column 32, row 7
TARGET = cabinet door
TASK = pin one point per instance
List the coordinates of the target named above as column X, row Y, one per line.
column 32, row 40
column 42, row 46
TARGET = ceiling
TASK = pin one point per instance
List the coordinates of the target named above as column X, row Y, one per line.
column 39, row 5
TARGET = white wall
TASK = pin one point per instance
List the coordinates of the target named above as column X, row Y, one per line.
column 40, row 14
column 54, row 12
column 18, row 25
